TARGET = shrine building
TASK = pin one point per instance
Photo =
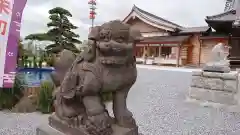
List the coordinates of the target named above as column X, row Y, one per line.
column 227, row 24
column 168, row 43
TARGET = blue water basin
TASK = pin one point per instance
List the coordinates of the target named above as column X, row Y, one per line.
column 32, row 77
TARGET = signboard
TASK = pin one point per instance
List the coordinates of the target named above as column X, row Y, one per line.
column 10, row 23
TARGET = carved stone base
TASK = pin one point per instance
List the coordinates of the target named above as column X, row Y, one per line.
column 48, row 130
column 221, row 88
column 124, row 131
column 59, row 128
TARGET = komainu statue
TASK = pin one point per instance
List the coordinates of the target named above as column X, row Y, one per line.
column 218, row 60
column 107, row 65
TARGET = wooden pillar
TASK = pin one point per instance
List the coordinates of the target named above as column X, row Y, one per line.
column 149, row 50
column 178, row 55
column 200, row 53
column 141, row 51
column 159, row 51
column 144, row 50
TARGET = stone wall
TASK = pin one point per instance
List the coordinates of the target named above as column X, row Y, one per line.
column 214, row 87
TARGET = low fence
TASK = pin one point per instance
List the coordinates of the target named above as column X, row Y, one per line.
column 32, row 79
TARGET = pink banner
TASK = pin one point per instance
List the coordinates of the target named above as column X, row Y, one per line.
column 11, row 49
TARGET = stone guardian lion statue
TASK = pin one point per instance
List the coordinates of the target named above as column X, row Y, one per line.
column 107, row 65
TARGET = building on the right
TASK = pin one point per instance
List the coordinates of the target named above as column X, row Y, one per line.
column 227, row 24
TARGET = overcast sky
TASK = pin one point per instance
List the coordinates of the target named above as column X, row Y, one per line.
column 187, row 13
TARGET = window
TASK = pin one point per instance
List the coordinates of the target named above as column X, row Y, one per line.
column 166, row 51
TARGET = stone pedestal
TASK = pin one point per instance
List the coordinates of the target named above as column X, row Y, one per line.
column 222, row 88
column 56, row 127
column 48, row 130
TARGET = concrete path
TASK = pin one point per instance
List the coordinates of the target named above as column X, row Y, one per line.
column 167, row 68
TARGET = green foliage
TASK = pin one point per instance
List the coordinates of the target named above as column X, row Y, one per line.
column 60, row 32
column 23, row 54
column 39, row 37
column 20, row 61
column 61, row 11
column 45, row 99
column 9, row 97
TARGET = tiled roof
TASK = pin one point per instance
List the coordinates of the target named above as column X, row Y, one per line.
column 226, row 16
column 153, row 18
column 230, row 13
column 194, row 29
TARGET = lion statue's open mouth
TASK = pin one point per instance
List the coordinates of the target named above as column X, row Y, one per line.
column 114, row 56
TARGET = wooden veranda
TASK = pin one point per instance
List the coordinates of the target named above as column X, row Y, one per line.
column 165, row 41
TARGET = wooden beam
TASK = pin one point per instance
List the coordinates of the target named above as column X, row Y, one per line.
column 158, row 42
column 213, row 38
column 235, row 37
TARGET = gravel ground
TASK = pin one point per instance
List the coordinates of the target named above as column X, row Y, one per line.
column 20, row 124
column 157, row 101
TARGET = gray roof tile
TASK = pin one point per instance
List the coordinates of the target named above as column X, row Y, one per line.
column 195, row 29
column 226, row 16
column 155, row 19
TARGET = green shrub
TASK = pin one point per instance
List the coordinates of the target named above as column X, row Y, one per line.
column 45, row 99
column 9, row 97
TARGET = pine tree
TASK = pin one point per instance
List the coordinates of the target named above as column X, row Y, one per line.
column 60, row 32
